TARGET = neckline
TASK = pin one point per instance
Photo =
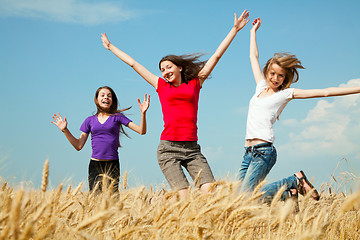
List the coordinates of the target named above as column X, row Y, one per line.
column 97, row 118
column 258, row 96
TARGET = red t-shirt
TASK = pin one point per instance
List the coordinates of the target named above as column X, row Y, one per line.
column 179, row 106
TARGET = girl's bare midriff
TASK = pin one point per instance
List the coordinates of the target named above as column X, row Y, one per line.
column 253, row 142
column 102, row 160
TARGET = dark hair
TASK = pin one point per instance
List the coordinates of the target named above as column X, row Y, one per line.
column 288, row 62
column 190, row 63
column 113, row 108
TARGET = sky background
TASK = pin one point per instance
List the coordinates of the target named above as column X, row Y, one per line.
column 52, row 60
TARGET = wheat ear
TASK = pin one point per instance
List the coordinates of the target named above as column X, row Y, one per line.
column 45, row 176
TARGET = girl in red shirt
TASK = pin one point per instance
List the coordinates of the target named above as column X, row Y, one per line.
column 183, row 77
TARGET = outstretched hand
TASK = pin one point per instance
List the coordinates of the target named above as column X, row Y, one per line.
column 105, row 41
column 60, row 122
column 240, row 22
column 256, row 24
column 145, row 104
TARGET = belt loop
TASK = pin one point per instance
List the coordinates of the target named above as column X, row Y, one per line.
column 252, row 151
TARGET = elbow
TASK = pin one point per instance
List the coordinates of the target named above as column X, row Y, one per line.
column 78, row 148
column 142, row 131
column 328, row 92
column 132, row 64
column 217, row 57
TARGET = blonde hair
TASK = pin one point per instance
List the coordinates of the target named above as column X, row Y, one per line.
column 288, row 62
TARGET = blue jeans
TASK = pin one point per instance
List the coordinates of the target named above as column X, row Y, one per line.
column 257, row 163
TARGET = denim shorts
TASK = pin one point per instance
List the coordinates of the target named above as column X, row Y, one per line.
column 173, row 155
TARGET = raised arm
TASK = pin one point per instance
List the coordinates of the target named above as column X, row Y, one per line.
column 143, row 108
column 78, row 143
column 327, row 92
column 254, row 53
column 239, row 23
column 141, row 70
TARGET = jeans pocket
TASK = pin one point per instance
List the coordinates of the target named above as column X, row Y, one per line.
column 266, row 155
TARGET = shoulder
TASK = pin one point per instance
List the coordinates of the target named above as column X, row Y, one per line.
column 194, row 82
column 161, row 83
column 118, row 115
column 87, row 124
column 287, row 92
column 121, row 118
column 90, row 118
column 262, row 82
column 261, row 85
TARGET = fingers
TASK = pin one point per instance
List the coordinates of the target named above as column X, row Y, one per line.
column 257, row 21
column 242, row 20
column 103, row 36
column 245, row 14
column 105, row 41
column 57, row 118
column 147, row 98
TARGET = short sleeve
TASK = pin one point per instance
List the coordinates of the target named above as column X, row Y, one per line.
column 123, row 119
column 161, row 84
column 85, row 127
column 288, row 93
column 261, row 85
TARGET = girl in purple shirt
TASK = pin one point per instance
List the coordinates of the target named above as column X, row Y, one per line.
column 105, row 128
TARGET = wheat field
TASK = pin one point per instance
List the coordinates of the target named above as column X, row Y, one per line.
column 75, row 214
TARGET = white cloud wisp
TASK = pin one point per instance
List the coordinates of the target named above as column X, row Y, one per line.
column 68, row 11
column 331, row 127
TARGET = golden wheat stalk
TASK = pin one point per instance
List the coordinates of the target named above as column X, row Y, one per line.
column 125, row 180
column 197, row 179
column 15, row 213
column 77, row 189
column 92, row 219
column 45, row 176
column 351, row 202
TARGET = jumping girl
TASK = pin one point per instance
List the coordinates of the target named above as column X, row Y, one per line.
column 105, row 128
column 178, row 90
column 272, row 94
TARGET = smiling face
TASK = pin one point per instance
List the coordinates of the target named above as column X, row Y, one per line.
column 275, row 76
column 104, row 99
column 171, row 72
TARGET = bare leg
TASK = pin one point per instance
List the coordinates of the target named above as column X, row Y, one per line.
column 205, row 188
column 183, row 194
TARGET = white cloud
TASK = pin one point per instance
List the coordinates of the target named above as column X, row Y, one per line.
column 332, row 127
column 70, row 11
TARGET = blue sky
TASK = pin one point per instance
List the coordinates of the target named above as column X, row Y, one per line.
column 52, row 60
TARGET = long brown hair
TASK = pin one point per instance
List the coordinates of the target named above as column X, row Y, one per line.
column 113, row 108
column 288, row 62
column 190, row 64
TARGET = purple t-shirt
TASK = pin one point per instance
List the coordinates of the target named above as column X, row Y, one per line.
column 105, row 137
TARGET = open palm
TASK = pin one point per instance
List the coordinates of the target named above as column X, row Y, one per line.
column 240, row 22
column 145, row 104
column 59, row 121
